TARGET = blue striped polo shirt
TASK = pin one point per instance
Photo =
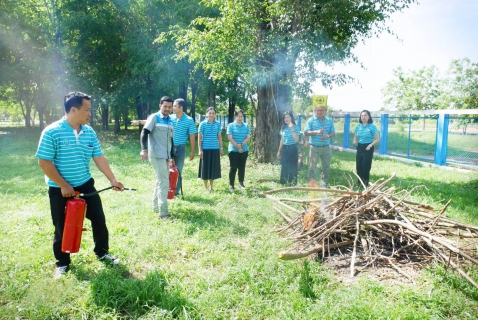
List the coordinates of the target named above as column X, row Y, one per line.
column 209, row 134
column 70, row 153
column 314, row 124
column 239, row 133
column 182, row 129
column 287, row 135
column 365, row 133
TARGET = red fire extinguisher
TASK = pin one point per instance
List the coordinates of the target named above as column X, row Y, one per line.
column 75, row 211
column 173, row 181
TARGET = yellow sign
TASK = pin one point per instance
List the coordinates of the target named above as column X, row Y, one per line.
column 319, row 101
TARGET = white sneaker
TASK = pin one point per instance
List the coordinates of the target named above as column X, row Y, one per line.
column 60, row 272
column 110, row 259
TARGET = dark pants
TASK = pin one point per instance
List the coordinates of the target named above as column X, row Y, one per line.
column 289, row 168
column 363, row 161
column 237, row 162
column 94, row 212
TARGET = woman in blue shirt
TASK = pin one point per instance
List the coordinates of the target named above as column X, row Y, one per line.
column 290, row 135
column 366, row 135
column 238, row 134
column 210, row 147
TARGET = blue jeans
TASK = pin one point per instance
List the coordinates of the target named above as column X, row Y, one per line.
column 179, row 156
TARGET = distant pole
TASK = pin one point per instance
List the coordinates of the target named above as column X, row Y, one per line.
column 441, row 139
column 383, row 134
column 346, row 130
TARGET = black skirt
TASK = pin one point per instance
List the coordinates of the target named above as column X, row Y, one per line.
column 289, row 163
column 210, row 165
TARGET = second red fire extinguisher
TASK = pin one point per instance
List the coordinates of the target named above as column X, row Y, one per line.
column 173, row 181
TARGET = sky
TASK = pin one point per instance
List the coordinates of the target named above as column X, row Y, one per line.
column 432, row 32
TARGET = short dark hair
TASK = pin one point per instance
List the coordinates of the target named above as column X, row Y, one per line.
column 181, row 102
column 370, row 120
column 165, row 99
column 236, row 113
column 75, row 99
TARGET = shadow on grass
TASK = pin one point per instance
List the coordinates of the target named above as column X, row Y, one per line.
column 114, row 289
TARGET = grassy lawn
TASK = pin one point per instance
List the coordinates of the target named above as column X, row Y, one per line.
column 216, row 259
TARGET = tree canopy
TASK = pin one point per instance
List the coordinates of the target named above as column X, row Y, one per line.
column 253, row 54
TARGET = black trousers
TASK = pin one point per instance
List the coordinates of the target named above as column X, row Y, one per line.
column 289, row 167
column 363, row 162
column 94, row 212
column 237, row 162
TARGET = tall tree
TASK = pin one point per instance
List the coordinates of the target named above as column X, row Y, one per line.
column 415, row 90
column 273, row 43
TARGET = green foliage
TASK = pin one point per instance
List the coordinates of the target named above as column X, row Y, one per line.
column 216, row 259
column 425, row 89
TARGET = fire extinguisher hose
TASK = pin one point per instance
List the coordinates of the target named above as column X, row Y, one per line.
column 96, row 192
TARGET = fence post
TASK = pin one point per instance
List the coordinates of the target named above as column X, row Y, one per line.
column 383, row 134
column 409, row 135
column 346, row 131
column 299, row 121
column 441, row 139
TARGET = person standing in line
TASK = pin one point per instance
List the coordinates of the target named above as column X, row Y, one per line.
column 319, row 129
column 184, row 128
column 210, row 147
column 64, row 153
column 366, row 136
column 238, row 134
column 288, row 152
column 157, row 145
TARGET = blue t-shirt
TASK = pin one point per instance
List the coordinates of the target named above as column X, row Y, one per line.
column 182, row 129
column 69, row 151
column 365, row 133
column 239, row 134
column 209, row 134
column 314, row 124
column 287, row 135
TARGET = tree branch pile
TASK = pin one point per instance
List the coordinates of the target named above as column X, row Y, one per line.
column 377, row 226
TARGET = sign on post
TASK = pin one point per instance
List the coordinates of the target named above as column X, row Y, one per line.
column 319, row 101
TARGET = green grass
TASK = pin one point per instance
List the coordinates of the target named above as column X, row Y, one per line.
column 216, row 259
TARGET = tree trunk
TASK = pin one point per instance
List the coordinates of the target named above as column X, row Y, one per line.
column 231, row 109
column 104, row 116
column 117, row 117
column 194, row 90
column 183, row 93
column 266, row 134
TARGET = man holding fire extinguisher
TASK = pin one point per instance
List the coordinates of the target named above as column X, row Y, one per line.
column 157, row 145
column 64, row 153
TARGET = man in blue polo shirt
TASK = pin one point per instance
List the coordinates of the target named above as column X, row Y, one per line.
column 157, row 145
column 64, row 153
column 184, row 128
column 319, row 129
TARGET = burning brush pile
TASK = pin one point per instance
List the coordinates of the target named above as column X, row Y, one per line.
column 376, row 227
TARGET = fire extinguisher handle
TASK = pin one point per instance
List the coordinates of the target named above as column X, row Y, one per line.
column 96, row 192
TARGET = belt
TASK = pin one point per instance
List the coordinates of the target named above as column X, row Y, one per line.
column 320, row 146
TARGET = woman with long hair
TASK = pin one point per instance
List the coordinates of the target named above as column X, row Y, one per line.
column 210, row 149
column 288, row 153
column 366, row 136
